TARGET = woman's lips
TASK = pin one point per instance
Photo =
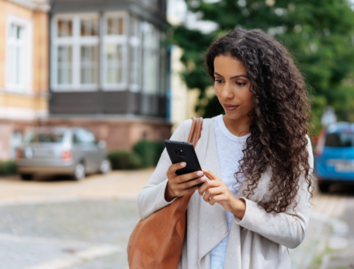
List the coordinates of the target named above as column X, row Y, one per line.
column 230, row 107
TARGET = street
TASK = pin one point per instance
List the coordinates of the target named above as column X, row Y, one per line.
column 59, row 223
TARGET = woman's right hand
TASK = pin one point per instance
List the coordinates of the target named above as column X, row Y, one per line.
column 180, row 185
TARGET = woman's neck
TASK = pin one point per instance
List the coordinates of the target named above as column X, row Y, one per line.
column 238, row 127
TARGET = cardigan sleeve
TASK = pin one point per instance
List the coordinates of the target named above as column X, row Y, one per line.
column 288, row 228
column 152, row 197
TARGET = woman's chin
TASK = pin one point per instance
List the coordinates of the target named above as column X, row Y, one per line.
column 231, row 116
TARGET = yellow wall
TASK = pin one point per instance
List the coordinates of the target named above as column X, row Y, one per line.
column 40, row 68
column 40, row 51
column 2, row 42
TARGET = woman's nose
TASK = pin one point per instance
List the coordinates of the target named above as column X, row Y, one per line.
column 227, row 92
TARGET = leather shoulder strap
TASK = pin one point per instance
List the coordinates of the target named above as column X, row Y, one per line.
column 196, row 130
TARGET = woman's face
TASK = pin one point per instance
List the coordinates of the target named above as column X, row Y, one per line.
column 232, row 87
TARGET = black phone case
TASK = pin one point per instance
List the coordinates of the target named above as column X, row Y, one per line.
column 187, row 155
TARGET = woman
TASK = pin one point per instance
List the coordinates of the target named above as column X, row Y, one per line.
column 254, row 203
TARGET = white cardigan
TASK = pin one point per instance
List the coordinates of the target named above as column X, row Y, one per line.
column 259, row 241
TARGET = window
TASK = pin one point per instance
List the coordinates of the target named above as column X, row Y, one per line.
column 44, row 138
column 75, row 52
column 135, row 54
column 150, row 58
column 18, row 54
column 84, row 137
column 114, row 51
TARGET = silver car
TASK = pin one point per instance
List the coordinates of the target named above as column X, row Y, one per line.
column 61, row 151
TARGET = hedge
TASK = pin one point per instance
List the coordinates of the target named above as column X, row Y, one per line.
column 149, row 151
column 124, row 160
column 7, row 168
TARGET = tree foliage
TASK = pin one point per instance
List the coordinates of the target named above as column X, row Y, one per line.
column 319, row 34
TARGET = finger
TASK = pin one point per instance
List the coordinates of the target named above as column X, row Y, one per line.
column 212, row 192
column 209, row 174
column 208, row 184
column 174, row 167
column 217, row 199
column 193, row 182
column 187, row 177
column 186, row 191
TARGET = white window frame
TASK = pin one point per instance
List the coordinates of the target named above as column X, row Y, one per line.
column 76, row 41
column 116, row 39
column 26, row 24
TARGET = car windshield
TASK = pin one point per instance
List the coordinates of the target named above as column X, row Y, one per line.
column 44, row 138
column 340, row 140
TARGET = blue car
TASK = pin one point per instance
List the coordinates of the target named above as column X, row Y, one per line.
column 334, row 155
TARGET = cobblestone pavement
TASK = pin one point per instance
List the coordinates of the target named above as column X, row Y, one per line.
column 86, row 225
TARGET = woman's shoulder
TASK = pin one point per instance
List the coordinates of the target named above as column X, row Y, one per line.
column 183, row 129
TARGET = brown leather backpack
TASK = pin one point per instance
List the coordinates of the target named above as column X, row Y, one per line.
column 157, row 241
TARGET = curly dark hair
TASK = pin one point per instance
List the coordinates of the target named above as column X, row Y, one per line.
column 280, row 120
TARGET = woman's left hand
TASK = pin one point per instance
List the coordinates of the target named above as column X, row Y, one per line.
column 216, row 191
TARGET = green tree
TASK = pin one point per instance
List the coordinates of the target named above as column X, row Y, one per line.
column 319, row 34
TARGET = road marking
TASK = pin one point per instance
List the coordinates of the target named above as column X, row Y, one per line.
column 80, row 257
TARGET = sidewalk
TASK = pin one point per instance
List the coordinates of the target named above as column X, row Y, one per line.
column 124, row 184
column 86, row 225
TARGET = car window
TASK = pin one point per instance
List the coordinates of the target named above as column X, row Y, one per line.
column 339, row 140
column 44, row 138
column 84, row 137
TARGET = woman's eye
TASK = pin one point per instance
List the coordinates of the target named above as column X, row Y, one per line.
column 240, row 83
column 219, row 80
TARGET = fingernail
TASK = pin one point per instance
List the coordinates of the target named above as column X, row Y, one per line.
column 183, row 164
column 203, row 178
column 200, row 173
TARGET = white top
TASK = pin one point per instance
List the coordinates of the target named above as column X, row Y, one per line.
column 229, row 149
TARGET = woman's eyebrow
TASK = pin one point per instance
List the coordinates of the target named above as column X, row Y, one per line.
column 233, row 76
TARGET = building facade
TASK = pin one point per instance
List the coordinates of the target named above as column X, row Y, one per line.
column 24, row 58
column 108, row 69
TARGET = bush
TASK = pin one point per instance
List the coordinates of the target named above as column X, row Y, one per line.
column 7, row 167
column 124, row 160
column 149, row 151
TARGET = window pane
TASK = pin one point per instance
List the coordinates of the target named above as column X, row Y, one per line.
column 19, row 69
column 13, row 64
column 135, row 27
column 134, row 72
column 115, row 26
column 13, row 31
column 89, row 27
column 65, row 28
column 19, row 32
column 150, row 58
column 340, row 140
column 114, row 63
column 64, row 65
column 89, row 62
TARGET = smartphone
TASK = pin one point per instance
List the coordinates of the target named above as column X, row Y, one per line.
column 183, row 152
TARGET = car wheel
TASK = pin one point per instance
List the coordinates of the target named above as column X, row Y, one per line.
column 26, row 177
column 323, row 187
column 105, row 166
column 79, row 172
